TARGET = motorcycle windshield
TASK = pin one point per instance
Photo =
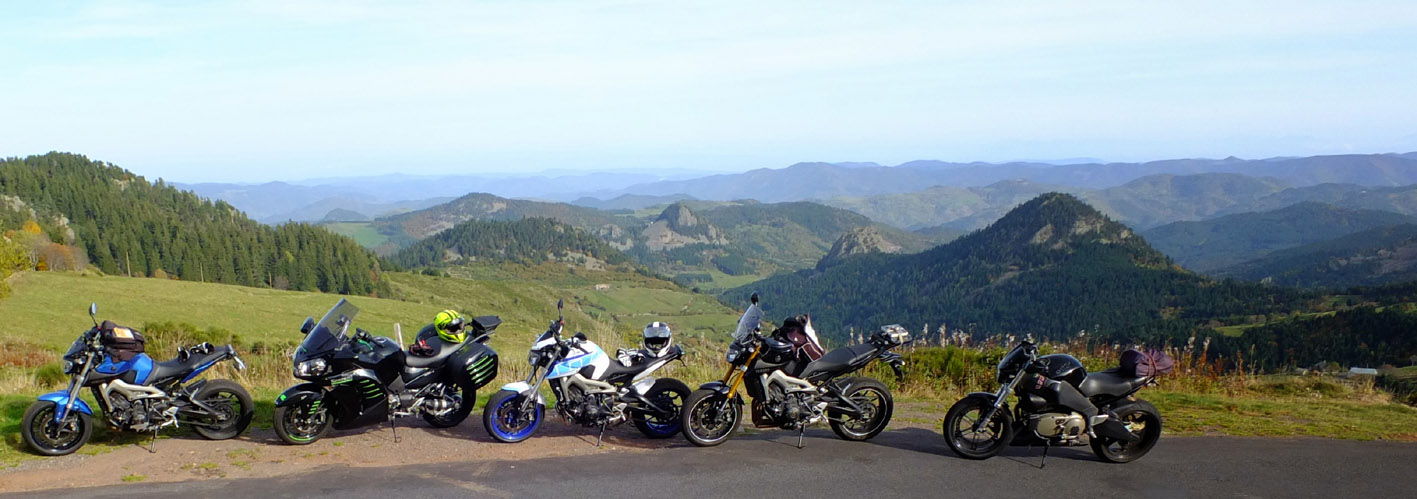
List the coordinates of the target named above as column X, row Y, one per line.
column 329, row 332
column 77, row 348
column 750, row 321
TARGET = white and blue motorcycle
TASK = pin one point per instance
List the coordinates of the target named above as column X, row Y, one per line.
column 591, row 389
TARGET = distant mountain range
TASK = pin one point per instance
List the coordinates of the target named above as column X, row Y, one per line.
column 735, row 238
column 807, row 181
column 1142, row 203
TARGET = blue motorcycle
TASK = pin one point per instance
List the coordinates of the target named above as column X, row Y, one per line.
column 134, row 393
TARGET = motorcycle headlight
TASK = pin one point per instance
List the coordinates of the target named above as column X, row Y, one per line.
column 70, row 367
column 732, row 355
column 312, row 367
column 533, row 357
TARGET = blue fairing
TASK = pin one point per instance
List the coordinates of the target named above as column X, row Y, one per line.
column 61, row 399
column 574, row 364
column 141, row 365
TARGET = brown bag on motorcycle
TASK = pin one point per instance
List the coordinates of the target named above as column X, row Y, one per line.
column 1145, row 364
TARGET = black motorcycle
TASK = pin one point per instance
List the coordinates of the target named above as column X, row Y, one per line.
column 591, row 389
column 790, row 394
column 359, row 379
column 134, row 393
column 982, row 424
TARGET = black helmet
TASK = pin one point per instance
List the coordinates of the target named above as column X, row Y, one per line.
column 657, row 338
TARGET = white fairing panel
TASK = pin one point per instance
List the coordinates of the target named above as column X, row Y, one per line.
column 812, row 334
column 587, row 353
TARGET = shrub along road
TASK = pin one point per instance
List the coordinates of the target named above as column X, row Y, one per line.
column 908, row 462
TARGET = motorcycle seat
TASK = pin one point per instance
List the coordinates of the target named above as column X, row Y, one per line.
column 839, row 360
column 1112, row 383
column 180, row 367
column 617, row 374
column 445, row 350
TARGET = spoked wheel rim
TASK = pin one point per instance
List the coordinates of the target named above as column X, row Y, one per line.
column 666, row 423
column 713, row 419
column 306, row 423
column 56, row 437
column 227, row 406
column 1142, row 424
column 963, row 433
column 512, row 422
column 873, row 410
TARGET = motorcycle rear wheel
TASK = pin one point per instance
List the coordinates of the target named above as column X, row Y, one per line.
column 300, row 424
column 989, row 440
column 466, row 399
column 1141, row 419
column 38, row 424
column 875, row 400
column 710, row 418
column 669, row 393
column 232, row 403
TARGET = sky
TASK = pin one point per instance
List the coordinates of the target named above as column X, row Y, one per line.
column 290, row 89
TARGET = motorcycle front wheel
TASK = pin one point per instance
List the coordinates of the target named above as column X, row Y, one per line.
column 988, row 440
column 710, row 417
column 1143, row 420
column 876, row 407
column 229, row 413
column 302, row 424
column 506, row 421
column 54, row 439
column 669, row 394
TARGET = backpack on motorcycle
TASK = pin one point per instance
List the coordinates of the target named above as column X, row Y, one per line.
column 794, row 331
column 1145, row 364
column 121, row 342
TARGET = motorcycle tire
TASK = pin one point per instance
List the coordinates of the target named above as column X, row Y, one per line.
column 960, row 420
column 665, row 392
column 233, row 402
column 39, row 421
column 875, row 398
column 295, row 432
column 709, row 418
column 1141, row 419
column 502, row 420
column 457, row 416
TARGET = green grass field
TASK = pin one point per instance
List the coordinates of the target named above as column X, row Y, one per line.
column 361, row 232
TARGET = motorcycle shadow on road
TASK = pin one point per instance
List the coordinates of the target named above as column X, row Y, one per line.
column 925, row 441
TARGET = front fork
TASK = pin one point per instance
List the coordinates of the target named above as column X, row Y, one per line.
column 999, row 399
column 76, row 383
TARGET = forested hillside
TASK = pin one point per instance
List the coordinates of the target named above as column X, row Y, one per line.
column 1232, row 239
column 1368, row 258
column 1052, row 267
column 71, row 211
column 529, row 240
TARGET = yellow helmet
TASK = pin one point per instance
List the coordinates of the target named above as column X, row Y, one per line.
column 450, row 326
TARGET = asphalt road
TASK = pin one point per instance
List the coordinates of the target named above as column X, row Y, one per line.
column 899, row 463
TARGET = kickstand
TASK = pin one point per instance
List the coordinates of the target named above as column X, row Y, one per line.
column 395, row 427
column 1042, row 463
column 152, row 445
column 601, row 436
column 800, row 430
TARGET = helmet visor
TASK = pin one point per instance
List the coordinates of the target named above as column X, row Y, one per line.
column 657, row 331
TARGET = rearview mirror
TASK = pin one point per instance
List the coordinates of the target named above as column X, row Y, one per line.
column 560, row 304
column 754, row 298
column 308, row 326
column 93, row 309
